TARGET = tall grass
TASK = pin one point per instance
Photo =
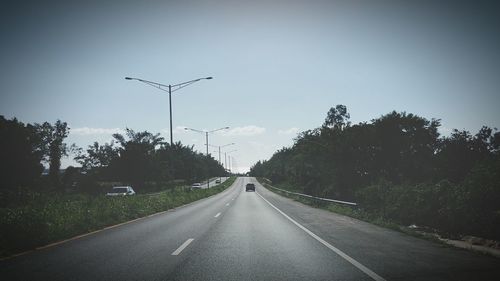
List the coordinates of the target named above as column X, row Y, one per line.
column 49, row 218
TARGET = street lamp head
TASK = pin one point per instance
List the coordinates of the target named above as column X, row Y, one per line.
column 209, row 78
column 128, row 78
column 226, row 128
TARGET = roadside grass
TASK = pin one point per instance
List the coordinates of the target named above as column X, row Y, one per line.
column 353, row 212
column 47, row 219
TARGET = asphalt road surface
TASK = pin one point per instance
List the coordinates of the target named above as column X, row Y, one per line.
column 238, row 235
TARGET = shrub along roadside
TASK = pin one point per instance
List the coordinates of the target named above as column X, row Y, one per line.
column 51, row 218
column 350, row 211
column 451, row 209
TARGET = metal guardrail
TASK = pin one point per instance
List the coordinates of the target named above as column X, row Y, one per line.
column 314, row 197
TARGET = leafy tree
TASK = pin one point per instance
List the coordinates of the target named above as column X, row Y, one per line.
column 53, row 146
column 406, row 144
column 337, row 117
column 398, row 167
column 136, row 162
column 185, row 163
column 97, row 156
column 20, row 154
column 142, row 157
column 71, row 175
column 460, row 152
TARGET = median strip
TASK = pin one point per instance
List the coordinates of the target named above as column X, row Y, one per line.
column 182, row 247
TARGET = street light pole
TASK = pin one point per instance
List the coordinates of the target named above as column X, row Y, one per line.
column 171, row 89
column 170, row 105
column 234, row 164
column 229, row 158
column 221, row 146
column 206, row 137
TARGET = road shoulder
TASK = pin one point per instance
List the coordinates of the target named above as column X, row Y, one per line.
column 390, row 253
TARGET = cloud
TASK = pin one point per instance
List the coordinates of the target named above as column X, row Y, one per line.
column 86, row 131
column 176, row 130
column 445, row 131
column 290, row 131
column 250, row 130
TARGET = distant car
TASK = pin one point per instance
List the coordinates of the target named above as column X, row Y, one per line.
column 121, row 191
column 196, row 185
column 217, row 181
column 250, row 186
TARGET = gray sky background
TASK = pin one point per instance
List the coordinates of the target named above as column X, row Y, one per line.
column 278, row 66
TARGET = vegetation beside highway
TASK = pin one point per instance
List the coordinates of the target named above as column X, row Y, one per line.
column 138, row 158
column 347, row 210
column 45, row 218
column 38, row 207
column 398, row 169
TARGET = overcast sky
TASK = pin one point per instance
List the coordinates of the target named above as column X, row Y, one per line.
column 278, row 66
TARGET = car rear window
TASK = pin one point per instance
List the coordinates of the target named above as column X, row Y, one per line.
column 119, row 190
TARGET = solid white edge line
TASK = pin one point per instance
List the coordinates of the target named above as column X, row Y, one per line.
column 182, row 247
column 358, row 265
column 218, row 214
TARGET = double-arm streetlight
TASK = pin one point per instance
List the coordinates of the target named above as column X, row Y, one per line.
column 169, row 89
column 206, row 136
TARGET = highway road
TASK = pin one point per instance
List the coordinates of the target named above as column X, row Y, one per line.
column 212, row 182
column 238, row 235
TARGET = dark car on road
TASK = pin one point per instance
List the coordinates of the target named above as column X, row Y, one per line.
column 250, row 186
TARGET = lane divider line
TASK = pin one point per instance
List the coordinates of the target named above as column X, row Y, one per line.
column 358, row 265
column 182, row 247
column 218, row 214
column 113, row 226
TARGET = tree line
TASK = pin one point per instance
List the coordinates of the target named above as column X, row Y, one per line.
column 142, row 159
column 399, row 167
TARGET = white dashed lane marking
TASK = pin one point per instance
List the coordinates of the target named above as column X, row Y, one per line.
column 182, row 247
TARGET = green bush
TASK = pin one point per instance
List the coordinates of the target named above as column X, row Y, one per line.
column 468, row 208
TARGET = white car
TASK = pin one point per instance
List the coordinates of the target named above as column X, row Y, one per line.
column 121, row 191
column 196, row 185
